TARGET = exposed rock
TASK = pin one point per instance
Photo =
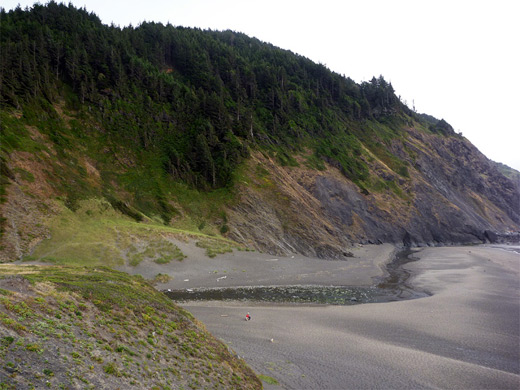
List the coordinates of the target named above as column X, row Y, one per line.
column 451, row 194
column 454, row 195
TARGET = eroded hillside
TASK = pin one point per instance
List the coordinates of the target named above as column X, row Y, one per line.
column 453, row 194
column 222, row 136
column 450, row 193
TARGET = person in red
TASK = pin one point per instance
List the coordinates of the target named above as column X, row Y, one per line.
column 248, row 317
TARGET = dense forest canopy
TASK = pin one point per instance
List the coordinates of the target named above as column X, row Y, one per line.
column 197, row 99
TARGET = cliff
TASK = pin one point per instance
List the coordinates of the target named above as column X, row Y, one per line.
column 453, row 195
column 221, row 136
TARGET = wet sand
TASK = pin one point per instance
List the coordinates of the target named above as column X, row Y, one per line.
column 465, row 336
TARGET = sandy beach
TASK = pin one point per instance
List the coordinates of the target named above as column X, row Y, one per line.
column 465, row 336
column 259, row 269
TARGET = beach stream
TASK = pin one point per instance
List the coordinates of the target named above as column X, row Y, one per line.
column 392, row 287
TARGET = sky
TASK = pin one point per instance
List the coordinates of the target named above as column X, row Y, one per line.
column 457, row 60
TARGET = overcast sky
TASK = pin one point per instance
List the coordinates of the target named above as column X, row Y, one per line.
column 455, row 59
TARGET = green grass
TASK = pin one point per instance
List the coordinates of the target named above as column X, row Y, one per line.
column 378, row 136
column 162, row 278
column 269, row 380
column 112, row 369
column 15, row 136
column 215, row 246
column 107, row 323
column 132, row 180
column 96, row 234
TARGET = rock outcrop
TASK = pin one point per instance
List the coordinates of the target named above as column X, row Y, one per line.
column 453, row 195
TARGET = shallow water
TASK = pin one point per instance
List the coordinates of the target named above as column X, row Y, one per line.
column 388, row 289
column 508, row 248
column 396, row 283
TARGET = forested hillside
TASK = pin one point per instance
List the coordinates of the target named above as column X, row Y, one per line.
column 196, row 97
column 152, row 117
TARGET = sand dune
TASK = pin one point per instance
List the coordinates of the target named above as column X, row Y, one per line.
column 465, row 336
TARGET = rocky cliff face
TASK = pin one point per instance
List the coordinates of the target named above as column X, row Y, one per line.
column 454, row 194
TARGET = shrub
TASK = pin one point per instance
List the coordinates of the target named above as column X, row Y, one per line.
column 111, row 369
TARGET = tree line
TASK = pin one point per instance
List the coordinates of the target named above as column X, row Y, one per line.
column 197, row 98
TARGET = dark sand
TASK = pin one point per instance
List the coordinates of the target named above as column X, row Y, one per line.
column 465, row 336
column 258, row 269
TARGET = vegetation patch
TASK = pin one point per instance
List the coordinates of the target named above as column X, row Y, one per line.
column 269, row 380
column 215, row 247
column 162, row 278
column 80, row 325
column 96, row 234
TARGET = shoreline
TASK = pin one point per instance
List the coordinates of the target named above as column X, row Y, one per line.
column 465, row 335
column 389, row 287
column 246, row 269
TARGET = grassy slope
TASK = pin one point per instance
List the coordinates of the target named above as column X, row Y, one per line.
column 83, row 327
column 88, row 195
column 96, row 234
